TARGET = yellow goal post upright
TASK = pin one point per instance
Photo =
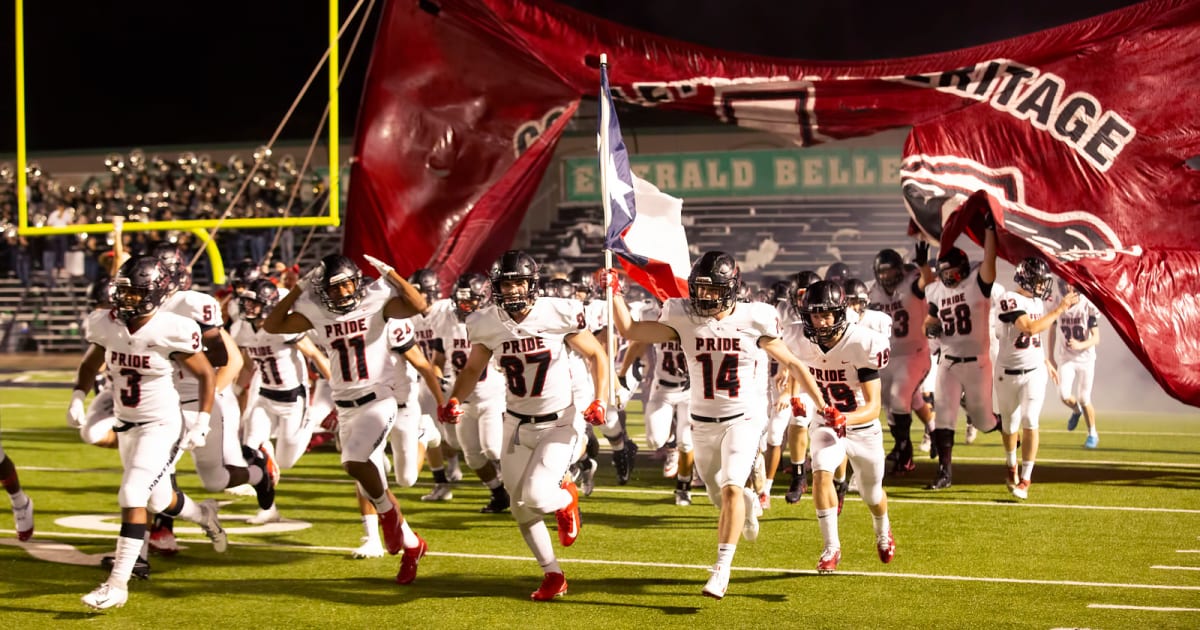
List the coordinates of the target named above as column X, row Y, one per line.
column 198, row 226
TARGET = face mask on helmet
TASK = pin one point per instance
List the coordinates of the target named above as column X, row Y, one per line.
column 256, row 301
column 1033, row 275
column 824, row 312
column 713, row 284
column 342, row 287
column 889, row 269
column 471, row 293
column 139, row 288
column 514, row 282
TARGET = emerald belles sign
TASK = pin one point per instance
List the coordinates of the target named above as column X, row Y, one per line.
column 769, row 173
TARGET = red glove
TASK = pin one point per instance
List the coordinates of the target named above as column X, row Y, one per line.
column 450, row 412
column 594, row 415
column 835, row 420
column 798, row 410
column 605, row 278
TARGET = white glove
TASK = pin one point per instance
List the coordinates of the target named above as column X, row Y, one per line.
column 195, row 429
column 310, row 279
column 383, row 268
column 75, row 409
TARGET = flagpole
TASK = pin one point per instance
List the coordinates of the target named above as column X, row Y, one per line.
column 605, row 117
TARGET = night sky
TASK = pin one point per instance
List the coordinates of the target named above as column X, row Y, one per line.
column 154, row 72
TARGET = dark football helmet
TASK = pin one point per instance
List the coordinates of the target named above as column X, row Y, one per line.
column 342, row 287
column 838, row 272
column 824, row 297
column 781, row 290
column 953, row 267
column 746, row 292
column 515, row 266
column 427, row 282
column 172, row 260
column 99, row 293
column 557, row 268
column 257, row 299
column 244, row 274
column 560, row 288
column 581, row 279
column 1033, row 275
column 472, row 292
column 635, row 293
column 889, row 269
column 801, row 281
column 856, row 294
column 140, row 287
column 717, row 273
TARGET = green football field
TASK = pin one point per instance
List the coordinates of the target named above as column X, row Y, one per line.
column 1109, row 538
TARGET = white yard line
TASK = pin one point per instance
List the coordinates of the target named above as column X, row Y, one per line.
column 1167, row 568
column 1187, row 551
column 1142, row 433
column 672, row 565
column 1146, row 608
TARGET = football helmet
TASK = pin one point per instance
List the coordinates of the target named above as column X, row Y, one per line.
column 635, row 293
column 427, row 282
column 838, row 272
column 953, row 267
column 801, row 281
column 581, row 279
column 515, row 266
column 560, row 288
column 1033, row 275
column 889, row 269
column 243, row 275
column 782, row 289
column 99, row 293
column 824, row 297
column 746, row 292
column 257, row 299
column 139, row 288
column 856, row 294
column 341, row 286
column 168, row 254
column 717, row 274
column 472, row 292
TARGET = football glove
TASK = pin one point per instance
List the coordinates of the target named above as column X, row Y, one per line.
column 383, row 268
column 75, row 409
column 595, row 414
column 835, row 420
column 195, row 429
column 798, row 409
column 922, row 256
column 450, row 412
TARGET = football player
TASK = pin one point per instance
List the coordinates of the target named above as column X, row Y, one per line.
column 1022, row 367
column 348, row 318
column 960, row 308
column 797, row 430
column 528, row 337
column 142, row 347
column 22, row 505
column 443, row 463
column 1074, row 356
column 846, row 359
column 280, row 408
column 720, row 339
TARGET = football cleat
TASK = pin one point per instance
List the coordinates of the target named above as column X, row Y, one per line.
column 902, row 468
column 587, row 476
column 553, row 585
column 797, row 488
column 271, row 466
column 926, row 443
column 671, row 464
column 1011, row 479
column 841, row 487
column 1073, row 421
column 828, row 562
column 409, row 561
column 972, row 434
column 106, row 596
column 499, row 503
column 162, row 540
column 885, row 544
column 141, row 568
column 753, row 511
column 764, row 501
column 623, row 461
column 264, row 490
column 371, row 547
column 243, row 490
column 453, row 470
column 441, row 492
column 717, row 583
column 269, row 515
column 683, row 498
column 393, row 534
column 211, row 524
column 569, row 518
column 23, row 519
column 941, row 482
column 1021, row 490
column 1092, row 441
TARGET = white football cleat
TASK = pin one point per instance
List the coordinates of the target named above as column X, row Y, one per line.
column 753, row 511
column 972, row 434
column 269, row 515
column 453, row 470
column 683, row 498
column 671, row 464
column 717, row 583
column 244, row 490
column 441, row 492
column 371, row 547
column 211, row 525
column 106, row 596
column 1021, row 490
column 926, row 442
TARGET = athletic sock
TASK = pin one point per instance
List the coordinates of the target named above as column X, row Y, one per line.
column 410, row 537
column 828, row 522
column 725, row 554
column 439, row 475
column 129, row 543
column 882, row 524
column 382, row 503
column 1010, row 458
column 494, row 484
column 1027, row 470
column 370, row 524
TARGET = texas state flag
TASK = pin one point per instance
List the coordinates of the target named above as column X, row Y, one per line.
column 646, row 228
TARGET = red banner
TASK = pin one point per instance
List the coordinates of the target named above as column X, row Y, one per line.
column 1077, row 136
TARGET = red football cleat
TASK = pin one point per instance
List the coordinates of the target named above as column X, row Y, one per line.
column 886, row 546
column 828, row 562
column 569, row 518
column 553, row 585
column 393, row 535
column 408, row 562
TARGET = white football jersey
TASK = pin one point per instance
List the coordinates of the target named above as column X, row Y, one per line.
column 355, row 342
column 723, row 356
column 203, row 309
column 280, row 365
column 426, row 325
column 140, row 369
column 402, row 335
column 837, row 370
column 877, row 321
column 456, row 340
column 533, row 353
column 907, row 308
column 1076, row 323
column 672, row 362
column 1019, row 351
column 964, row 312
